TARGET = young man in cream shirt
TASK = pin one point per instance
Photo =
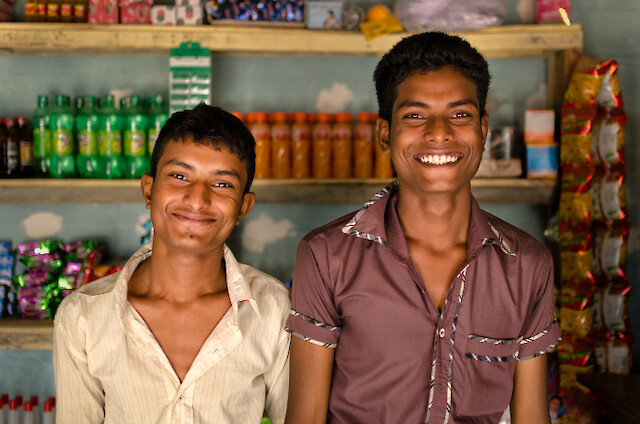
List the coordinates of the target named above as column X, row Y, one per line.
column 184, row 333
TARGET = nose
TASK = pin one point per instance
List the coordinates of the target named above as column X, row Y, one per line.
column 198, row 196
column 439, row 130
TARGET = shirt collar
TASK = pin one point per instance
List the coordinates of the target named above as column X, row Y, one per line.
column 369, row 223
column 238, row 288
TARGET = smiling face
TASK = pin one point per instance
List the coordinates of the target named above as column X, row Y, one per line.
column 436, row 134
column 196, row 198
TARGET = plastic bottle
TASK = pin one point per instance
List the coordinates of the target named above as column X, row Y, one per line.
column 36, row 409
column 4, row 408
column 300, row 146
column 66, row 11
column 62, row 163
column 48, row 416
column 80, row 8
column 53, row 10
column 30, row 11
column 363, row 147
column 111, row 162
column 86, row 122
column 280, row 146
column 259, row 127
column 11, row 149
column 12, row 416
column 27, row 415
column 41, row 137
column 26, row 148
column 321, row 147
column 158, row 115
column 136, row 125
column 341, row 145
column 383, row 167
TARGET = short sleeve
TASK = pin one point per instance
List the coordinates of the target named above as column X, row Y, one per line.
column 313, row 314
column 542, row 332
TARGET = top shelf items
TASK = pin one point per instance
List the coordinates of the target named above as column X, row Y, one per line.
column 51, row 38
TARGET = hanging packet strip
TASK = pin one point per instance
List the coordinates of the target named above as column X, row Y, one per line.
column 189, row 77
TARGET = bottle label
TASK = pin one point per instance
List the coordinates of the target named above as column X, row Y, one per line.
column 152, row 137
column 65, row 10
column 41, row 143
column 61, row 142
column 79, row 11
column 110, row 143
column 87, row 143
column 30, row 9
column 13, row 156
column 26, row 156
column 42, row 10
column 135, row 143
column 52, row 9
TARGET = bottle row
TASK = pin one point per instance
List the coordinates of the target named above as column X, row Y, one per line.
column 322, row 145
column 20, row 411
column 56, row 10
column 93, row 139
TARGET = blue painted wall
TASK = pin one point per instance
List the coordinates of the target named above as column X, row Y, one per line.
column 291, row 84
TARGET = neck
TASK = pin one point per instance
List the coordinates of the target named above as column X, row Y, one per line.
column 179, row 277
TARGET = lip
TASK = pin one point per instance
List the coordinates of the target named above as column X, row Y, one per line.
column 194, row 218
column 438, row 158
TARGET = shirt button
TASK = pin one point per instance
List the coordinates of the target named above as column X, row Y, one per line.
column 441, row 332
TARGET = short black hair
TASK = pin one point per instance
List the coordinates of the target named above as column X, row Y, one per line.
column 210, row 126
column 425, row 52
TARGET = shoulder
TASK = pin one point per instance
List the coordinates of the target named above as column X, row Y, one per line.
column 520, row 242
column 83, row 300
column 329, row 231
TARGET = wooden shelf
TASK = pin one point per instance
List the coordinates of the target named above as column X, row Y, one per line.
column 26, row 334
column 79, row 191
column 125, row 39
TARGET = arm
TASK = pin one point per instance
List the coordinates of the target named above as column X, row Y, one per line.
column 529, row 402
column 310, row 382
column 79, row 396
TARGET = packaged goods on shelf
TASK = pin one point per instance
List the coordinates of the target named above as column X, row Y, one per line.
column 189, row 15
column 7, row 296
column 549, row 11
column 283, row 11
column 189, row 77
column 163, row 15
column 592, row 231
column 135, row 11
column 501, row 156
column 21, row 409
column 103, row 12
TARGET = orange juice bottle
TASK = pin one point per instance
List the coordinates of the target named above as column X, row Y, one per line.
column 382, row 164
column 363, row 147
column 280, row 146
column 259, row 127
column 321, row 146
column 300, row 146
column 342, row 132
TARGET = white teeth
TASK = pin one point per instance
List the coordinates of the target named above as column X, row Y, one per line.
column 438, row 159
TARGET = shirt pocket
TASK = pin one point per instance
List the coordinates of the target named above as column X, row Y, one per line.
column 488, row 375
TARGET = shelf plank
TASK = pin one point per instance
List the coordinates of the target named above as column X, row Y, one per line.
column 125, row 39
column 358, row 191
column 26, row 334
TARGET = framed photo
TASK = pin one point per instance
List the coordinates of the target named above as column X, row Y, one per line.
column 324, row 14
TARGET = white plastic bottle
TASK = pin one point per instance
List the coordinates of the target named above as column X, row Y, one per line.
column 35, row 403
column 27, row 415
column 48, row 415
column 12, row 418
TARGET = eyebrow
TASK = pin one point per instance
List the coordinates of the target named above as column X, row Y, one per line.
column 185, row 165
column 415, row 103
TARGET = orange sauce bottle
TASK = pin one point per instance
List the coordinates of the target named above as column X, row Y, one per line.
column 259, row 127
column 300, row 146
column 280, row 146
column 342, row 147
column 363, row 147
column 321, row 146
column 383, row 167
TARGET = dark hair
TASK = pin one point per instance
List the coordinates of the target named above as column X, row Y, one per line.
column 210, row 126
column 425, row 52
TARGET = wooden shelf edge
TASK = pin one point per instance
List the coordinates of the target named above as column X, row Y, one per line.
column 315, row 191
column 58, row 38
column 26, row 334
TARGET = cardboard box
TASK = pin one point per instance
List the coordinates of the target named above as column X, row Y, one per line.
column 189, row 15
column 552, row 11
column 542, row 160
column 163, row 15
column 539, row 126
column 135, row 13
column 103, row 12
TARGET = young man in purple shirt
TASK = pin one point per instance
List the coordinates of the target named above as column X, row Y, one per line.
column 421, row 307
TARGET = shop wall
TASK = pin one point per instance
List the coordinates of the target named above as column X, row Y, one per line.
column 268, row 237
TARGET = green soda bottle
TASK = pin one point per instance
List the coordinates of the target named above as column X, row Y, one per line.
column 87, row 139
column 41, row 137
column 158, row 115
column 63, row 163
column 111, row 163
column 135, row 139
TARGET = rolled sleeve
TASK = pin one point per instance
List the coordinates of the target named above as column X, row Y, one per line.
column 542, row 332
column 313, row 314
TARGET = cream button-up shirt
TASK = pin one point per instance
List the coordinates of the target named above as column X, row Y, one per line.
column 110, row 368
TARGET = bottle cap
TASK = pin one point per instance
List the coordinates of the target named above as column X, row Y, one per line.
column 13, row 405
column 28, row 407
column 47, row 406
column 34, row 400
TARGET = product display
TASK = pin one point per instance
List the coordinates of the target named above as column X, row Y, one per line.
column 20, row 411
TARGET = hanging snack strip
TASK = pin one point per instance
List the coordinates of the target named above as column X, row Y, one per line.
column 591, row 230
column 189, row 77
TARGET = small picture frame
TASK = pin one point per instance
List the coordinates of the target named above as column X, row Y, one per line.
column 324, row 15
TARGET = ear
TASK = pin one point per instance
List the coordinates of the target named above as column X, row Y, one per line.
column 146, row 184
column 382, row 134
column 248, row 201
column 484, row 124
